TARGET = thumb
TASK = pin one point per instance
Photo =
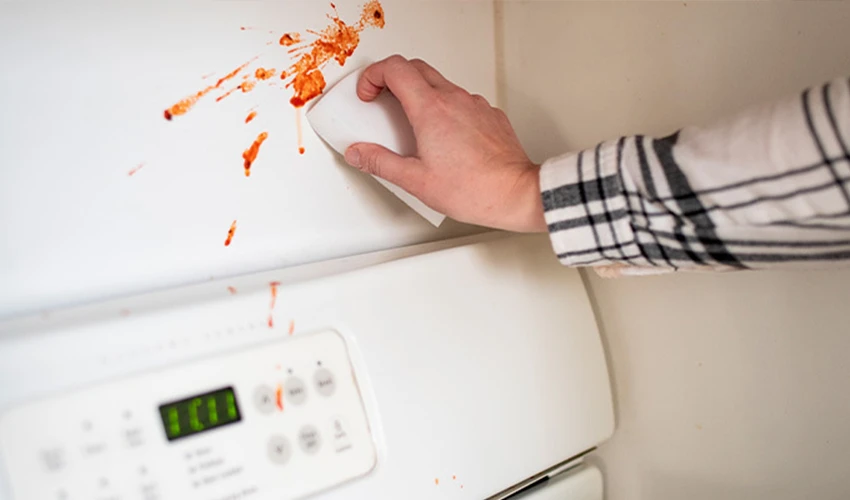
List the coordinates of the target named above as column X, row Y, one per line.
column 381, row 162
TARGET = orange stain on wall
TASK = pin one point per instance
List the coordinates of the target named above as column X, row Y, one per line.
column 273, row 287
column 230, row 233
column 290, row 39
column 183, row 106
column 135, row 169
column 338, row 42
column 250, row 154
column 264, row 74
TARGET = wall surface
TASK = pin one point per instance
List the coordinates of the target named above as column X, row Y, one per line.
column 727, row 386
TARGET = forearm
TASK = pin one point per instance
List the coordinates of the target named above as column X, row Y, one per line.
column 768, row 187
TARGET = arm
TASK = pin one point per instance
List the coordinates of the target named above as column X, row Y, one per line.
column 765, row 188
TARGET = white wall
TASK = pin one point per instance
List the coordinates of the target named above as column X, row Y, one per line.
column 727, row 386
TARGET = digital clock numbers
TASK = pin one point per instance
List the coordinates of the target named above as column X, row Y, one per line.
column 200, row 413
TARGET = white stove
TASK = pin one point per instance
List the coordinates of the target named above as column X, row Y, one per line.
column 471, row 372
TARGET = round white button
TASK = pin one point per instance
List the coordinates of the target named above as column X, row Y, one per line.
column 325, row 382
column 296, row 390
column 308, row 439
column 279, row 450
column 264, row 399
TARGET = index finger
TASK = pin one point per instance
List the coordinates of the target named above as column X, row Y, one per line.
column 402, row 79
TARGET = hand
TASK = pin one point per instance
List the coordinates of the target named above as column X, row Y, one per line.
column 470, row 164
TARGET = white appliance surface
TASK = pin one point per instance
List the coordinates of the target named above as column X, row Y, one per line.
column 454, row 374
column 580, row 483
column 101, row 196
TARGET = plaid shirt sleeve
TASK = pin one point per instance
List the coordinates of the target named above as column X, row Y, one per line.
column 769, row 187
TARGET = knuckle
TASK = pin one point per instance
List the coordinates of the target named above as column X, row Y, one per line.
column 395, row 60
column 480, row 100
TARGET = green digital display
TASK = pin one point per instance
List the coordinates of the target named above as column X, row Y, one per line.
column 200, row 413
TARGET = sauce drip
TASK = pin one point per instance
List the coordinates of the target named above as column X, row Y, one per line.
column 230, row 233
column 273, row 287
column 250, row 154
column 299, row 130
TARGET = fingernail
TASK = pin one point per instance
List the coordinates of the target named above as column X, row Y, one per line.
column 352, row 156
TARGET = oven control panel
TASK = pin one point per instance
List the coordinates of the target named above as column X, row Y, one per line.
column 283, row 420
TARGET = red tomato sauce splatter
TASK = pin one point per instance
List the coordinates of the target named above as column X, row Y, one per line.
column 299, row 130
column 245, row 87
column 291, row 327
column 230, row 233
column 264, row 74
column 290, row 39
column 135, row 169
column 232, row 290
column 250, row 154
column 338, row 41
column 182, row 107
column 273, row 286
column 278, row 396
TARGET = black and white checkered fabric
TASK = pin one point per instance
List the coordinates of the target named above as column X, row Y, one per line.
column 769, row 187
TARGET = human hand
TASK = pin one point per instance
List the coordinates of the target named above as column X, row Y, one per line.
column 469, row 164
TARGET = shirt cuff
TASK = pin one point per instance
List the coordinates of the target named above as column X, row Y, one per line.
column 586, row 209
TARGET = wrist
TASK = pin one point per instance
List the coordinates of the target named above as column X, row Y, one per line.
column 526, row 213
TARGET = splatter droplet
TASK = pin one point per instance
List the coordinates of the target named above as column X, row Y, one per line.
column 251, row 116
column 250, row 154
column 232, row 290
column 135, row 169
column 183, row 106
column 264, row 74
column 338, row 42
column 230, row 233
column 245, row 87
column 291, row 327
column 273, row 287
column 437, row 481
column 290, row 39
